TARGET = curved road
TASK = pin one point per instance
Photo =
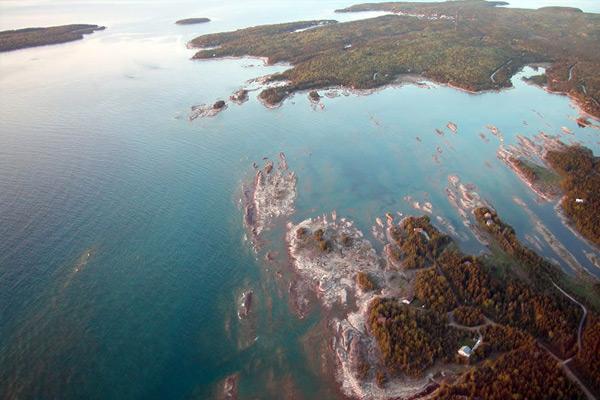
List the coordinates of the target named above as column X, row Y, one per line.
column 498, row 69
column 581, row 323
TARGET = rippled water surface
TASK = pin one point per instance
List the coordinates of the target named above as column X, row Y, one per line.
column 122, row 254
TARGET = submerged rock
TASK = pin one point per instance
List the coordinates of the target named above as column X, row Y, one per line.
column 229, row 388
column 245, row 304
column 582, row 122
column 329, row 254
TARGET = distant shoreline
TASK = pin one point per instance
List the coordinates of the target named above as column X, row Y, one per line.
column 33, row 37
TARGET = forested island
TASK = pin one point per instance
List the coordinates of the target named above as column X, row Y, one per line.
column 470, row 44
column 33, row 37
column 192, row 21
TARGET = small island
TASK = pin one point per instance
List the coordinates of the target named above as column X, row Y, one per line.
column 33, row 37
column 192, row 21
column 207, row 111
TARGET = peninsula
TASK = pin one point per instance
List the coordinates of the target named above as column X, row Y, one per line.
column 420, row 318
column 470, row 44
column 33, row 37
column 552, row 168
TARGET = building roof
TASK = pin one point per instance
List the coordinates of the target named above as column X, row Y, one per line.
column 465, row 351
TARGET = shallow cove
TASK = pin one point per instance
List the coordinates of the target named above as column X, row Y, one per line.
column 97, row 156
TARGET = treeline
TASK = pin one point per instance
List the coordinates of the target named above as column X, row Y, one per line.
column 528, row 172
column 539, row 270
column 541, row 178
column 579, row 78
column 411, row 340
column 580, row 173
column 526, row 373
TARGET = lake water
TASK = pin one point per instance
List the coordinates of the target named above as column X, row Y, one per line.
column 122, row 254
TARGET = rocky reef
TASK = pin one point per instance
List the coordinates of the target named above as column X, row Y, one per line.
column 341, row 266
column 229, row 388
column 330, row 253
column 206, row 111
column 245, row 305
column 271, row 195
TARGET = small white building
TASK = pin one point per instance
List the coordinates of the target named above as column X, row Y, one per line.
column 465, row 351
column 579, row 201
column 407, row 300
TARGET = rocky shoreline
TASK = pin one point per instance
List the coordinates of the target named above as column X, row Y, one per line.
column 333, row 264
column 330, row 254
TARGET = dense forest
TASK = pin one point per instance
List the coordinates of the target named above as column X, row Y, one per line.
column 526, row 373
column 433, row 290
column 587, row 361
column 500, row 339
column 550, row 317
column 513, row 318
column 411, row 340
column 468, row 316
column 470, row 44
column 580, row 173
column 417, row 243
column 31, row 37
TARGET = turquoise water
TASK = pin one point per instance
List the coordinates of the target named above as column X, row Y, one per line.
column 122, row 253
